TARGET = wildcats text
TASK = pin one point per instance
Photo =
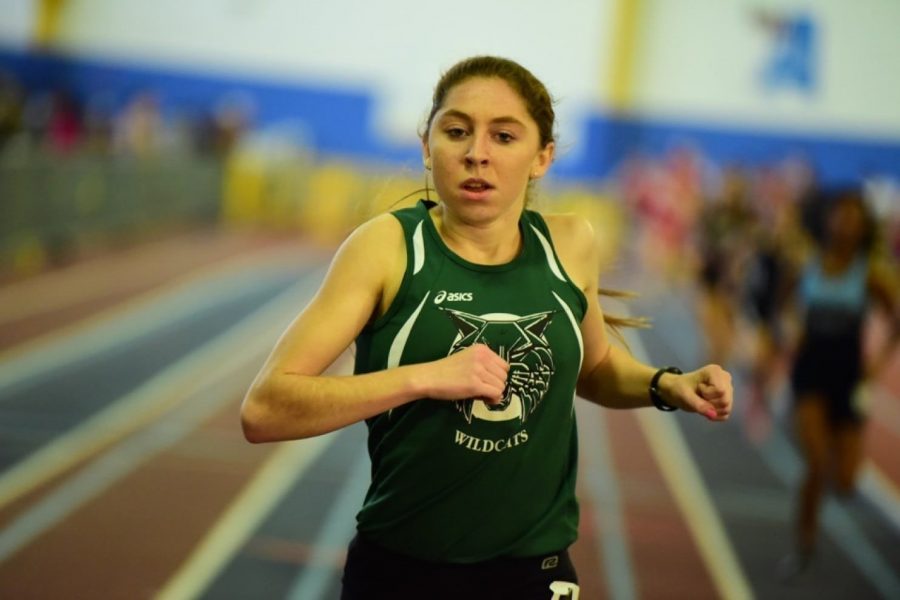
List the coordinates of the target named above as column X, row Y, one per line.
column 475, row 444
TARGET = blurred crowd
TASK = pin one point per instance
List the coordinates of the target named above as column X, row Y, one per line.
column 62, row 123
column 82, row 171
column 740, row 236
column 697, row 216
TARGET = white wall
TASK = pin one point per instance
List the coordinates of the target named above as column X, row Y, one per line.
column 396, row 47
column 701, row 59
column 17, row 22
column 696, row 59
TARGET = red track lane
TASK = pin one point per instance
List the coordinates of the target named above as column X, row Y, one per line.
column 127, row 542
column 881, row 447
column 585, row 553
column 881, row 439
column 666, row 560
column 64, row 296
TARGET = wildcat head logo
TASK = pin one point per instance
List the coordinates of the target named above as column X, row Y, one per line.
column 519, row 341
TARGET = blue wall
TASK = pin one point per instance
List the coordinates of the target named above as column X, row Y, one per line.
column 340, row 121
column 834, row 158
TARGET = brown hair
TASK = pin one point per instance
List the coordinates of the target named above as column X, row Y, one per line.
column 854, row 195
column 536, row 97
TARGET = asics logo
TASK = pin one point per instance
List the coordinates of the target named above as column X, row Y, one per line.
column 452, row 296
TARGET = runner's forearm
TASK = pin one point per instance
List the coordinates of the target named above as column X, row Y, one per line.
column 287, row 406
column 619, row 381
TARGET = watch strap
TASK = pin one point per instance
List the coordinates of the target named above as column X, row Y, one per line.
column 655, row 396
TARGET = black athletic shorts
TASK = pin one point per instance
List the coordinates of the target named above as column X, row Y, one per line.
column 374, row 573
column 831, row 370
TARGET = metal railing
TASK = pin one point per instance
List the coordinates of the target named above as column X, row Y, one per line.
column 51, row 203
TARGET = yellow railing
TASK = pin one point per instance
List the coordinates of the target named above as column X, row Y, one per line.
column 327, row 199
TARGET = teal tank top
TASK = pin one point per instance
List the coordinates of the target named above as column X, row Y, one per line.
column 463, row 481
column 835, row 305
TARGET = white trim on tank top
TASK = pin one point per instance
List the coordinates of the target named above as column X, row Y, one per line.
column 418, row 249
column 548, row 250
column 574, row 323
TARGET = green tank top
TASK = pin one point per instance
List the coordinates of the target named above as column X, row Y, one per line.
column 461, row 481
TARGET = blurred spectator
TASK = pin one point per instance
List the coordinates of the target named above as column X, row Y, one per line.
column 884, row 194
column 36, row 113
column 64, row 126
column 99, row 115
column 10, row 107
column 138, row 129
column 232, row 117
column 665, row 198
column 724, row 235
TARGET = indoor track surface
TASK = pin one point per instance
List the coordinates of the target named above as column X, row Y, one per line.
column 124, row 473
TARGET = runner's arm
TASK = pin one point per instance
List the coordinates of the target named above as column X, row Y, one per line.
column 291, row 399
column 610, row 375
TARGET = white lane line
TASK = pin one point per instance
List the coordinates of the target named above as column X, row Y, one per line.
column 334, row 535
column 603, row 484
column 284, row 469
column 48, row 292
column 271, row 483
column 782, row 460
column 103, row 473
column 881, row 491
column 680, row 471
column 674, row 457
column 874, row 484
column 249, row 337
column 121, row 324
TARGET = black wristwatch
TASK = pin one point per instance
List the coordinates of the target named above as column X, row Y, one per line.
column 655, row 396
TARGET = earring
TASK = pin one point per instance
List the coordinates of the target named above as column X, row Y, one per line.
column 427, row 163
